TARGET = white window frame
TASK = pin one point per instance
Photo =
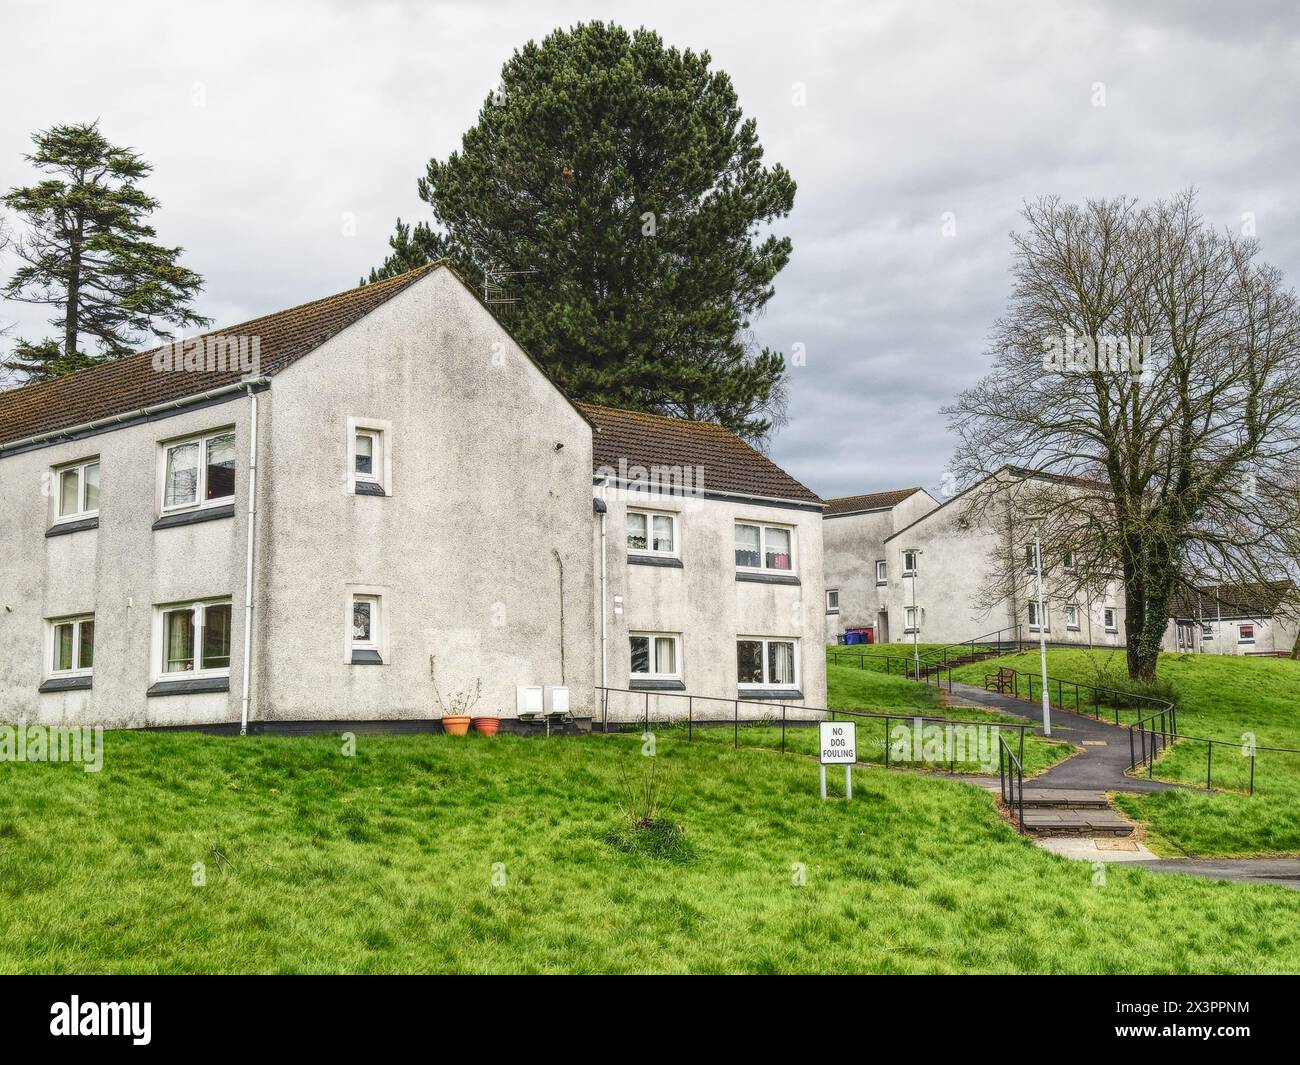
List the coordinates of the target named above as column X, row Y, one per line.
column 1111, row 625
column 1068, row 562
column 916, row 614
column 199, row 607
column 1207, row 631
column 913, row 569
column 832, row 608
column 1031, row 558
column 1071, row 611
column 649, row 551
column 201, row 482
column 379, row 619
column 1242, row 639
column 882, row 572
column 51, row 642
column 764, row 527
column 766, row 641
column 1047, row 616
column 82, row 512
column 381, row 430
column 655, row 674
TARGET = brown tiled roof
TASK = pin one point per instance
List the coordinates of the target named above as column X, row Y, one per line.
column 870, row 501
column 1248, row 600
column 130, row 384
column 729, row 464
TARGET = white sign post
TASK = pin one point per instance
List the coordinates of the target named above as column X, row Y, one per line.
column 838, row 743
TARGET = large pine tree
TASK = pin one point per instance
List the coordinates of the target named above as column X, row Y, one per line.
column 620, row 193
column 88, row 252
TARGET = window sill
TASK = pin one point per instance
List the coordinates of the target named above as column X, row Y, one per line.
column 767, row 578
column 193, row 517
column 369, row 488
column 367, row 658
column 882, row 584
column 67, row 684
column 767, row 694
column 192, row 686
column 646, row 685
column 832, row 611
column 62, row 528
column 666, row 561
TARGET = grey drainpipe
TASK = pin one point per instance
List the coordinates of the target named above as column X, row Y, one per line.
column 249, row 563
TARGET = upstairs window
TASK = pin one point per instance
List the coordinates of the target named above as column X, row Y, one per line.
column 366, row 632
column 73, row 646
column 882, row 571
column 199, row 472
column 78, row 488
column 764, row 547
column 1067, row 562
column 195, row 638
column 649, row 533
column 1034, row 624
column 832, row 600
column 909, row 563
column 369, row 459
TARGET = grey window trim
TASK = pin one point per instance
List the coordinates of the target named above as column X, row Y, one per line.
column 365, row 657
column 766, row 578
column 655, row 560
column 189, row 687
column 751, row 695
column 193, row 517
column 370, row 488
column 656, row 685
column 77, row 525
column 67, row 684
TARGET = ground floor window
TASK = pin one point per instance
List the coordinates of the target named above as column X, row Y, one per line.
column 764, row 662
column 1108, row 616
column 655, row 656
column 194, row 638
column 366, row 629
column 73, row 646
column 1034, row 624
column 1245, row 633
column 1072, row 617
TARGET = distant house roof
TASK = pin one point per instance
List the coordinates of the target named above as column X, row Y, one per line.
column 131, row 384
column 871, row 501
column 1246, row 600
column 729, row 465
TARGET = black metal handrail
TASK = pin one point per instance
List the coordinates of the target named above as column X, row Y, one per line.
column 1011, row 779
column 886, row 718
column 908, row 669
column 1149, row 737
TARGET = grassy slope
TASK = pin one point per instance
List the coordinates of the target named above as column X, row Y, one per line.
column 383, row 862
column 1220, row 697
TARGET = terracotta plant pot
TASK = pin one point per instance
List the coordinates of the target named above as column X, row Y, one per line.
column 487, row 725
column 455, row 724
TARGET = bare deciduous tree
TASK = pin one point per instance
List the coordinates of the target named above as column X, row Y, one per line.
column 1154, row 362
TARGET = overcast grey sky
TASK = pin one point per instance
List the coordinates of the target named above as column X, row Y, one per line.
column 270, row 124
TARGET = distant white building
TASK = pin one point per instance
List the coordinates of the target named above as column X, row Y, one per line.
column 907, row 567
column 1239, row 619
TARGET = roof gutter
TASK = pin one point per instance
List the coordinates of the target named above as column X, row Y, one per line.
column 142, row 413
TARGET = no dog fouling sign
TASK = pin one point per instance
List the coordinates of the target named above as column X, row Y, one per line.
column 839, row 745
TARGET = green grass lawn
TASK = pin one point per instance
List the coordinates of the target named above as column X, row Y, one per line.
column 384, row 862
column 1218, row 697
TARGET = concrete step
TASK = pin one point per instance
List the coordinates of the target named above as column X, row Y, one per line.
column 1058, row 822
column 1065, row 798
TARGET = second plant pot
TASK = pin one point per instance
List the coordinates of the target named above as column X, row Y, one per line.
column 455, row 724
column 487, row 725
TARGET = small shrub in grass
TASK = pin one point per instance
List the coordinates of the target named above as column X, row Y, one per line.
column 648, row 795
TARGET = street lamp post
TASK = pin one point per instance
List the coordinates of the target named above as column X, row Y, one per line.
column 1042, row 631
column 916, row 617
